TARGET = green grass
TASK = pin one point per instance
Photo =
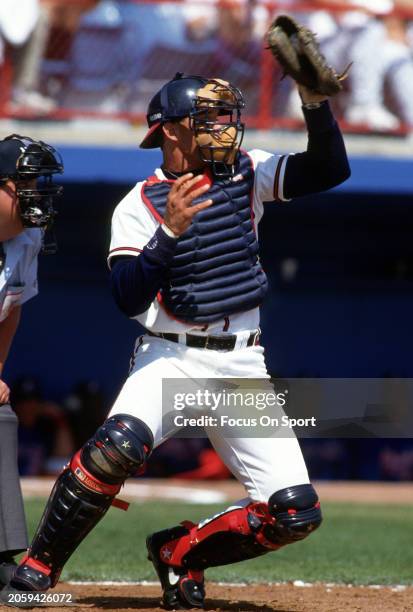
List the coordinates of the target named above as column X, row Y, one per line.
column 357, row 544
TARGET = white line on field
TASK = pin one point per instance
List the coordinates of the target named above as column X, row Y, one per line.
column 140, row 491
column 396, row 588
column 111, row 583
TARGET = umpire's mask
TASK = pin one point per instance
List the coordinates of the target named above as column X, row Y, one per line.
column 31, row 164
column 216, row 121
column 24, row 160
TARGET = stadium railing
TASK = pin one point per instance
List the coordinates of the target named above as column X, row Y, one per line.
column 121, row 51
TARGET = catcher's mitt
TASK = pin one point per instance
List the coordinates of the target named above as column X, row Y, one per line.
column 296, row 49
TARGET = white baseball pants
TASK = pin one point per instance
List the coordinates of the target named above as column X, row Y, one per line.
column 262, row 465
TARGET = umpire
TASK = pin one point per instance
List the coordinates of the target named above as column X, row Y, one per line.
column 26, row 210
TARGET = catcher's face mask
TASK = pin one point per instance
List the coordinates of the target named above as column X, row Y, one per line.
column 216, row 122
column 31, row 165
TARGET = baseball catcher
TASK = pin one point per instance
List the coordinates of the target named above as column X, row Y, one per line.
column 184, row 263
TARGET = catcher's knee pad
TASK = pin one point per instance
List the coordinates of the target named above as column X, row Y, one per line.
column 119, row 448
column 84, row 492
column 296, row 511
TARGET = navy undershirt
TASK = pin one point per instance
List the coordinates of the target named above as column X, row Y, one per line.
column 135, row 281
column 324, row 165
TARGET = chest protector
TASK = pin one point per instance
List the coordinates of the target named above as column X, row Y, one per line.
column 215, row 271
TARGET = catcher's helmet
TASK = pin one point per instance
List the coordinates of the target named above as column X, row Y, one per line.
column 206, row 102
column 174, row 100
column 25, row 159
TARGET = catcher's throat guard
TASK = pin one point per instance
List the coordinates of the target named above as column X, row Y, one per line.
column 216, row 122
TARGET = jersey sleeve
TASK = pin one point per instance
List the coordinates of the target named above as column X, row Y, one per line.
column 269, row 179
column 28, row 267
column 30, row 286
column 132, row 225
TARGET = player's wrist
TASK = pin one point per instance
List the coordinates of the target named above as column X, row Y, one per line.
column 320, row 119
column 168, row 231
column 312, row 105
column 311, row 99
column 161, row 247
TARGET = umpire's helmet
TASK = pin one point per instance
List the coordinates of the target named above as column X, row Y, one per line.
column 174, row 100
column 25, row 159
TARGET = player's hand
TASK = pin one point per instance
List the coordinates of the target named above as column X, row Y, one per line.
column 4, row 393
column 179, row 208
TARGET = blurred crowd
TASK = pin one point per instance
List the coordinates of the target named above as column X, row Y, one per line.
column 108, row 56
column 50, row 432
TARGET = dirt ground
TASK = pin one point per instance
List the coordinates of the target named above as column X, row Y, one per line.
column 251, row 598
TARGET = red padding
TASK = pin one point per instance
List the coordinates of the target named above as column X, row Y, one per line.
column 205, row 180
column 37, row 565
column 120, row 503
column 194, row 575
column 234, row 520
column 89, row 481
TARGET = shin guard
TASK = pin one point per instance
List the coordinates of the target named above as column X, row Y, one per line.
column 81, row 496
column 244, row 533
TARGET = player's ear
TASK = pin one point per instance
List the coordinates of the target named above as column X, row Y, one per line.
column 10, row 221
column 9, row 187
column 169, row 131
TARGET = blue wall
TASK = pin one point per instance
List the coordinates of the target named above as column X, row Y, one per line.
column 126, row 165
